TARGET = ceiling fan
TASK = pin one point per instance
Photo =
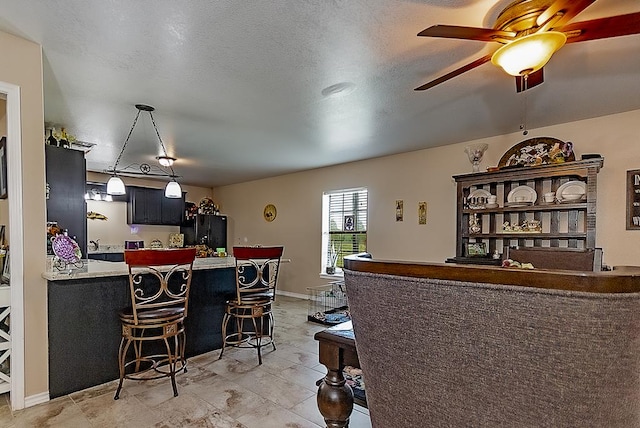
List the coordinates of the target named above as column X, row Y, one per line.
column 530, row 32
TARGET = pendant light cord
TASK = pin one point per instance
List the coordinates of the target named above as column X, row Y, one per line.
column 161, row 143
column 524, row 84
column 115, row 166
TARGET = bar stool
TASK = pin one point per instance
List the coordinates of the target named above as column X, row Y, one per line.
column 159, row 282
column 256, row 279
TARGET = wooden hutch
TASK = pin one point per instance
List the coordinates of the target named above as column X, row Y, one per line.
column 570, row 224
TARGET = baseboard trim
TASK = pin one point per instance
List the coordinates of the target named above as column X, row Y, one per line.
column 33, row 400
column 290, row 294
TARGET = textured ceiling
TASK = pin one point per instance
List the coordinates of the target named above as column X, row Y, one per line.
column 237, row 85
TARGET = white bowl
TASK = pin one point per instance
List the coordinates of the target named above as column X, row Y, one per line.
column 571, row 196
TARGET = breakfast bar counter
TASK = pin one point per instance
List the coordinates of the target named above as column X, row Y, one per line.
column 97, row 268
column 84, row 328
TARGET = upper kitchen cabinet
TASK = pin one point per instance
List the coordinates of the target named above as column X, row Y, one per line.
column 172, row 210
column 66, row 180
column 150, row 206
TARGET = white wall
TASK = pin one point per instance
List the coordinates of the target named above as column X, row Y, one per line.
column 424, row 175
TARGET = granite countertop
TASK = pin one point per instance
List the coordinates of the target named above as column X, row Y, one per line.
column 98, row 268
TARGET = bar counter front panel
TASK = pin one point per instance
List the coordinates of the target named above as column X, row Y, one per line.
column 84, row 328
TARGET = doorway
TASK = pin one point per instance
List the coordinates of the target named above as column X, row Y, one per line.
column 15, row 267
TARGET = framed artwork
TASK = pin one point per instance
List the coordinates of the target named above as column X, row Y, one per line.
column 422, row 213
column 399, row 210
column 3, row 168
column 349, row 223
column 476, row 249
column 633, row 199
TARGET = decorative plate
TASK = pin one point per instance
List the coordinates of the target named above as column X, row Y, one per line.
column 270, row 212
column 479, row 193
column 527, row 192
column 538, row 151
column 574, row 187
column 66, row 249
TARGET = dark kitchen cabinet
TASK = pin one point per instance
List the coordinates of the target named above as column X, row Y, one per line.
column 144, row 205
column 150, row 206
column 66, row 178
column 107, row 257
column 205, row 229
column 172, row 210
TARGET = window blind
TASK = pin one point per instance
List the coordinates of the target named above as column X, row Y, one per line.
column 347, row 224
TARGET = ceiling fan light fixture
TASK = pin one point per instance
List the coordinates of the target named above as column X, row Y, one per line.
column 528, row 54
column 115, row 186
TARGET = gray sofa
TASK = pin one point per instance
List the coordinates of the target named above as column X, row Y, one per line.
column 441, row 352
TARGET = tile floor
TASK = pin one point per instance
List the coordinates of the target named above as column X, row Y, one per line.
column 234, row 392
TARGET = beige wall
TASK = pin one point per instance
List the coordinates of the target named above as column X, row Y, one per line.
column 424, row 175
column 115, row 230
column 22, row 66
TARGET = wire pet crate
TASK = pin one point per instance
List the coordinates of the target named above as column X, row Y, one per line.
column 328, row 304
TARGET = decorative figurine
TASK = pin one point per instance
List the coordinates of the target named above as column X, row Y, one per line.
column 474, row 224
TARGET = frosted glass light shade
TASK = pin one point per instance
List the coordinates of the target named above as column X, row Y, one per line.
column 173, row 190
column 165, row 160
column 115, row 186
column 528, row 54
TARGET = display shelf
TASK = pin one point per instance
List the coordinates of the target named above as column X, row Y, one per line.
column 567, row 224
column 541, row 207
column 526, row 235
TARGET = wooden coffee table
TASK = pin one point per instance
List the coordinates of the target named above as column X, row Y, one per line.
column 337, row 349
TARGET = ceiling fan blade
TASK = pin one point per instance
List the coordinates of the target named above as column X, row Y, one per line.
column 467, row 33
column 602, row 28
column 454, row 73
column 533, row 80
column 568, row 9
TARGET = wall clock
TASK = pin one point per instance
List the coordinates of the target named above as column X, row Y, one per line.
column 270, row 212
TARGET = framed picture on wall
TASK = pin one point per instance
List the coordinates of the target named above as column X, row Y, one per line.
column 422, row 213
column 3, row 168
column 399, row 210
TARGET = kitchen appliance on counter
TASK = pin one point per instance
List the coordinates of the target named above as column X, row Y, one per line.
column 133, row 245
column 207, row 229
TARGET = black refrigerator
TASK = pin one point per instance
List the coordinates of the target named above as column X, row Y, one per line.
column 205, row 229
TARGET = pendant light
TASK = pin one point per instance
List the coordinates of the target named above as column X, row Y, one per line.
column 173, row 190
column 115, row 185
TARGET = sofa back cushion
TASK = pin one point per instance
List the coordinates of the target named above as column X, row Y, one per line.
column 451, row 354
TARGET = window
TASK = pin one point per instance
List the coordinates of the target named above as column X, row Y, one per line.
column 344, row 225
